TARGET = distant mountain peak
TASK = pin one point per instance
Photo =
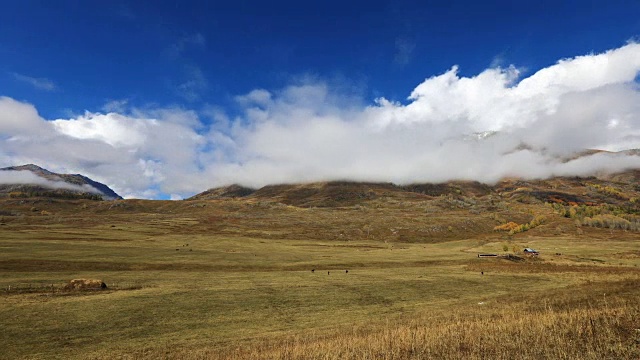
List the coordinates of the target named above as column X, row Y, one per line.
column 43, row 182
column 29, row 167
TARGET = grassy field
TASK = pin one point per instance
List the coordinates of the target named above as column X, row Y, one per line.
column 233, row 279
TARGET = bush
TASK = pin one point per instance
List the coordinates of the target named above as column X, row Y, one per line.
column 506, row 227
column 608, row 190
column 611, row 222
column 514, row 228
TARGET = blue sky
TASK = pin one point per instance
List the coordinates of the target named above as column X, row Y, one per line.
column 202, row 62
column 197, row 53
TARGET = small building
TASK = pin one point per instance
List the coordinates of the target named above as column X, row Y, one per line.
column 530, row 251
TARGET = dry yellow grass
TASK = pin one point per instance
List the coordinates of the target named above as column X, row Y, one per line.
column 565, row 326
column 232, row 279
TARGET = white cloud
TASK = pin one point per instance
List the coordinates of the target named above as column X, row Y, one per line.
column 38, row 83
column 299, row 136
column 114, row 129
column 311, row 132
column 19, row 119
column 259, row 97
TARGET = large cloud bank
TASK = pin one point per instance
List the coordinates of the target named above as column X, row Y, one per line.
column 312, row 132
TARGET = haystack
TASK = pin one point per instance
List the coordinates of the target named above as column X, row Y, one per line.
column 85, row 284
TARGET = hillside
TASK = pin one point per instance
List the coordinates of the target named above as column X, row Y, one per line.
column 33, row 181
column 420, row 213
column 302, row 271
column 616, row 189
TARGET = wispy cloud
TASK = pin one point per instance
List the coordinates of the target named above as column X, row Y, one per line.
column 178, row 47
column 116, row 106
column 498, row 60
column 404, row 51
column 38, row 83
column 194, row 82
column 308, row 132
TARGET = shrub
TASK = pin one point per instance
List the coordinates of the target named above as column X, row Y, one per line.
column 608, row 190
column 506, row 227
column 514, row 228
column 611, row 222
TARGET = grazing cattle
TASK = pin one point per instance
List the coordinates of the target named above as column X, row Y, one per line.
column 346, row 271
column 328, row 273
column 313, row 270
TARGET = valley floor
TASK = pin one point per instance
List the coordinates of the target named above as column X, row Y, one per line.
column 199, row 280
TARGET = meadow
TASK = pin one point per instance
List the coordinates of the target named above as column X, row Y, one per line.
column 386, row 279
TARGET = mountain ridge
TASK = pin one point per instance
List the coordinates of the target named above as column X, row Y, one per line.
column 49, row 184
column 579, row 190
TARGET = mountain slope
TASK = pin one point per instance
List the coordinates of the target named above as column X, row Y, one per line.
column 319, row 194
column 32, row 180
column 616, row 189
